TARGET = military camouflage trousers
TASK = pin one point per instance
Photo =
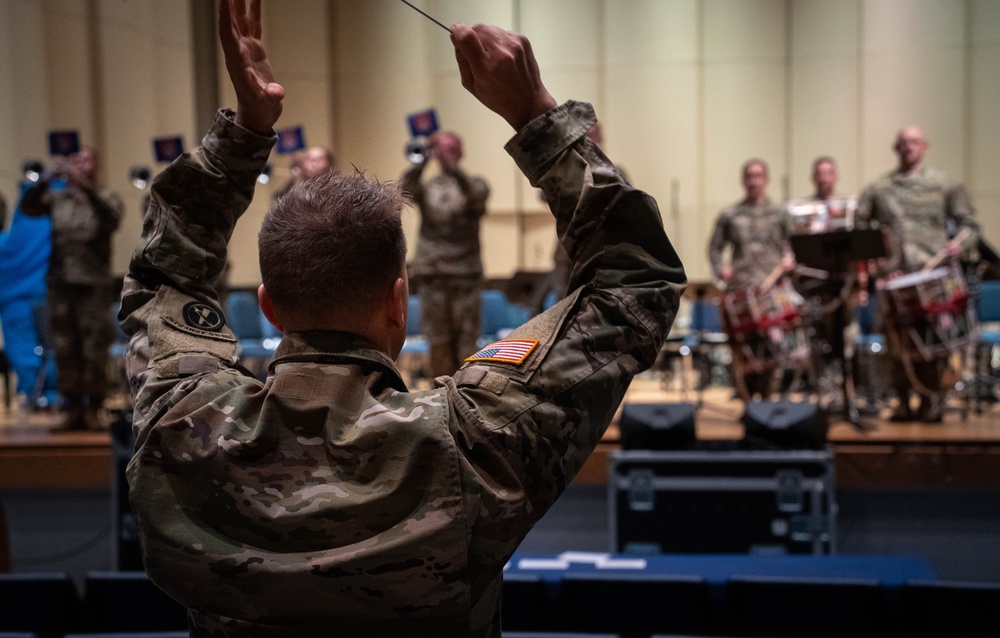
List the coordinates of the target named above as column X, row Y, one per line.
column 451, row 308
column 80, row 331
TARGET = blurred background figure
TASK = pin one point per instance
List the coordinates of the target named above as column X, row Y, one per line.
column 311, row 162
column 755, row 232
column 920, row 210
column 448, row 265
column 84, row 216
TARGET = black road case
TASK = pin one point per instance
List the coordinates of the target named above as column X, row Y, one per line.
column 722, row 501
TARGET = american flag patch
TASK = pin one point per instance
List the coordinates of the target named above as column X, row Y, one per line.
column 506, row 351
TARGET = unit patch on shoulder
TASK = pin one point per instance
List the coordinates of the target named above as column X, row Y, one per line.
column 203, row 317
column 506, row 351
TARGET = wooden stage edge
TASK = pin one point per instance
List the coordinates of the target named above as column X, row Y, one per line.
column 955, row 453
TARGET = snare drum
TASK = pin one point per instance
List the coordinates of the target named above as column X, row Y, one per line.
column 931, row 311
column 766, row 329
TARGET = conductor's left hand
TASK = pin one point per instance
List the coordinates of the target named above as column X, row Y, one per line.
column 258, row 96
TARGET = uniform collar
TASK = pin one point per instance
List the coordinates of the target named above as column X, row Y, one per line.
column 899, row 175
column 323, row 346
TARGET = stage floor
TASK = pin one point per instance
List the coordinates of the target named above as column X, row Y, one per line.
column 34, row 454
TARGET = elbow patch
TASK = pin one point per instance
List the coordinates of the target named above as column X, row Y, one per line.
column 181, row 324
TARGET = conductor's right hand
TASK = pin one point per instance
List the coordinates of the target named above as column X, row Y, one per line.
column 258, row 96
column 499, row 69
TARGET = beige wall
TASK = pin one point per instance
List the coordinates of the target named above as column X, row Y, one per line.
column 686, row 90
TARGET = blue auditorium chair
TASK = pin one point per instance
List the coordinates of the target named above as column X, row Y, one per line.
column 129, row 602
column 936, row 608
column 133, row 634
column 983, row 387
column 806, row 607
column 705, row 339
column 245, row 319
column 415, row 342
column 543, row 634
column 498, row 316
column 634, row 605
column 44, row 604
column 493, row 315
column 413, row 358
column 525, row 603
column 869, row 346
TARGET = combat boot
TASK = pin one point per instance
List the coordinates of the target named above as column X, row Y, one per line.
column 931, row 409
column 902, row 413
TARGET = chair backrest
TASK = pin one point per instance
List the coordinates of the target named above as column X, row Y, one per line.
column 935, row 608
column 45, row 604
column 634, row 605
column 525, row 604
column 267, row 328
column 413, row 310
column 517, row 316
column 705, row 316
column 818, row 607
column 988, row 306
column 129, row 601
column 243, row 315
column 493, row 315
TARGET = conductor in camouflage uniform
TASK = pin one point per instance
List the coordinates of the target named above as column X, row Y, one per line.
column 329, row 500
column 78, row 283
column 919, row 209
column 755, row 230
column 448, row 265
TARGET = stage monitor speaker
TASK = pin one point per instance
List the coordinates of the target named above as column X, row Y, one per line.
column 785, row 424
column 657, row 426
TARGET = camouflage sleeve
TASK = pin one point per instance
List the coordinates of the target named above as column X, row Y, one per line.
column 874, row 211
column 863, row 213
column 964, row 215
column 720, row 237
column 108, row 207
column 169, row 307
column 476, row 190
column 411, row 184
column 527, row 427
column 479, row 193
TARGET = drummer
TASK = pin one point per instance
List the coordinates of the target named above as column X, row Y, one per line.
column 919, row 209
column 756, row 231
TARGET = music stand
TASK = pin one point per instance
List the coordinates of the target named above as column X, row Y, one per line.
column 838, row 252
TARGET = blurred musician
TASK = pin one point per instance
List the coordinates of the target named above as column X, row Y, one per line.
column 916, row 206
column 756, row 231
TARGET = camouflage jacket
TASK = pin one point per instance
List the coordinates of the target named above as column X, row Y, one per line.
column 757, row 236
column 329, row 500
column 451, row 205
column 82, row 224
column 915, row 213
